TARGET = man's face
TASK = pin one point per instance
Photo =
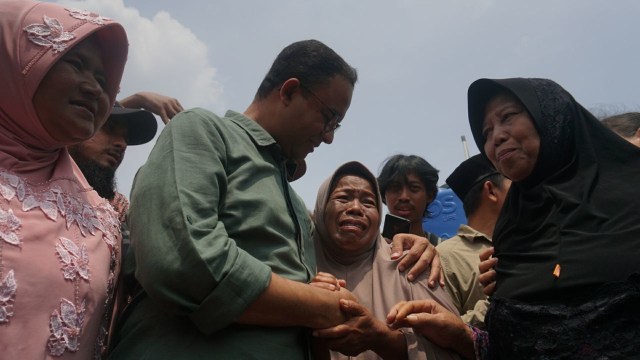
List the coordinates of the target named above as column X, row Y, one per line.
column 408, row 199
column 107, row 147
column 309, row 112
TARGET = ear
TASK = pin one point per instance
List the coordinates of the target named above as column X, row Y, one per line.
column 287, row 90
column 635, row 138
column 490, row 191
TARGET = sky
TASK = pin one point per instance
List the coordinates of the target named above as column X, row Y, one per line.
column 415, row 60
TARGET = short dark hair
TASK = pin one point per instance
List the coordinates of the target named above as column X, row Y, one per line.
column 311, row 62
column 624, row 124
column 398, row 167
column 471, row 201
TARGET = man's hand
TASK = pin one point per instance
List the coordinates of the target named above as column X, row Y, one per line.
column 164, row 106
column 422, row 255
column 361, row 332
column 487, row 275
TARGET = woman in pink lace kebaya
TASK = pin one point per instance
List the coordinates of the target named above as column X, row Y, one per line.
column 59, row 241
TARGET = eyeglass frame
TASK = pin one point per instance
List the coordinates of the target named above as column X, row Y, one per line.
column 336, row 116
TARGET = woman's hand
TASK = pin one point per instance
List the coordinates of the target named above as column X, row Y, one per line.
column 487, row 275
column 362, row 332
column 327, row 281
column 422, row 256
column 435, row 323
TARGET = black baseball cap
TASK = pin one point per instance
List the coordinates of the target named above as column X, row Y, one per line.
column 141, row 124
column 468, row 174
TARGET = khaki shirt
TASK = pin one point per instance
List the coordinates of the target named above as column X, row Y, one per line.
column 460, row 260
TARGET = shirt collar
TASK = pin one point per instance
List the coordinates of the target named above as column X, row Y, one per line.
column 255, row 131
column 470, row 234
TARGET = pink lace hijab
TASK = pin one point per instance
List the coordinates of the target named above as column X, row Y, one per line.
column 59, row 241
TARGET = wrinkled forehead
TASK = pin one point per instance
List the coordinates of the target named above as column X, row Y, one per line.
column 499, row 101
column 358, row 170
column 343, row 180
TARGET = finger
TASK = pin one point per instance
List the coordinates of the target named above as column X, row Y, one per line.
column 393, row 312
column 487, row 265
column 327, row 278
column 441, row 277
column 352, row 308
column 419, row 319
column 435, row 277
column 342, row 283
column 407, row 309
column 487, row 277
column 332, row 332
column 164, row 117
column 414, row 306
column 391, row 316
column 323, row 285
column 486, row 254
column 424, row 263
column 419, row 248
column 489, row 289
column 177, row 107
column 172, row 109
column 397, row 247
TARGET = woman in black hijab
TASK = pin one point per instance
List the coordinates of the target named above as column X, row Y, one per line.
column 568, row 236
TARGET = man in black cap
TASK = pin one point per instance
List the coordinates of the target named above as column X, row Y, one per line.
column 482, row 191
column 100, row 156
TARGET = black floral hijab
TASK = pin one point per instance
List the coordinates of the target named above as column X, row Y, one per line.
column 573, row 222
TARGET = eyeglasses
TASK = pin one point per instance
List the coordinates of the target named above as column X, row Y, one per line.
column 331, row 123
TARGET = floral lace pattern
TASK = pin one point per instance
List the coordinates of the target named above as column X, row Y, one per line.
column 10, row 186
column 8, row 288
column 49, row 34
column 88, row 16
column 75, row 259
column 66, row 322
column 66, row 327
column 9, row 225
column 45, row 201
column 53, row 202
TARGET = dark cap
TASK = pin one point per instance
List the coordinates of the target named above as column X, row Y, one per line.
column 141, row 124
column 469, row 173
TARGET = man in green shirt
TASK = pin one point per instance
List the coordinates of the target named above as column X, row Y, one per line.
column 221, row 244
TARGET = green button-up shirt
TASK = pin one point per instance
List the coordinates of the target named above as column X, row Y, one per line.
column 212, row 215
